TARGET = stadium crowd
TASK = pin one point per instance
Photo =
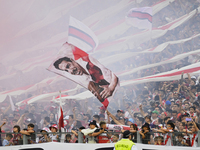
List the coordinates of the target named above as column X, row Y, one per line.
column 161, row 113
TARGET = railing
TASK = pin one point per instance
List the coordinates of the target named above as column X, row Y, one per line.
column 27, row 139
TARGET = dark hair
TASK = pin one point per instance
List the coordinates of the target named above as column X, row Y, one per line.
column 71, row 116
column 180, row 135
column 135, row 115
column 166, row 118
column 82, row 128
column 174, row 111
column 177, row 104
column 193, row 87
column 160, row 120
column 88, row 115
column 31, row 125
column 171, row 124
column 18, row 127
column 193, row 107
column 156, row 98
column 169, row 110
column 78, row 124
column 141, row 119
column 96, row 116
column 9, row 135
column 134, row 127
column 102, row 123
column 57, row 62
column 68, row 135
column 196, row 103
column 47, row 119
column 198, row 98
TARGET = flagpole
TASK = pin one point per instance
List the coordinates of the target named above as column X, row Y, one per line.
column 59, row 112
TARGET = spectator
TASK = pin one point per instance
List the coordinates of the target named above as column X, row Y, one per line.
column 17, row 139
column 168, row 133
column 159, row 140
column 145, row 134
column 30, row 133
column 7, row 141
column 47, row 122
column 54, row 137
column 114, row 139
column 96, row 118
column 52, row 118
column 1, row 132
column 133, row 130
column 101, row 133
column 68, row 138
column 45, row 136
column 180, row 141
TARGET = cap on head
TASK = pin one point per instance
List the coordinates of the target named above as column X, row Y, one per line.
column 53, row 126
column 120, row 111
column 126, row 134
column 131, row 120
column 93, row 122
column 155, row 112
column 168, row 103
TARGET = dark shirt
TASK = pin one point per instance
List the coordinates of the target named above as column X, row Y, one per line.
column 147, row 138
column 31, row 138
column 17, row 140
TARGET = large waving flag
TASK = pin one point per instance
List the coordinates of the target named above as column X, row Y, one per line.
column 74, row 63
column 81, row 35
column 78, row 66
column 140, row 17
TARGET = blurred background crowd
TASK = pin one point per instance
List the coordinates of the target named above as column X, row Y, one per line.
column 164, row 113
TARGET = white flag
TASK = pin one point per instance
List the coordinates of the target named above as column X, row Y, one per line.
column 81, row 35
column 140, row 17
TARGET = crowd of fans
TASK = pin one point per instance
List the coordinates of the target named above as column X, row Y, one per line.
column 167, row 114
column 160, row 113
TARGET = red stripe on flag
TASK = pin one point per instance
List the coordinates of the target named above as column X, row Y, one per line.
column 61, row 122
column 140, row 15
column 17, row 89
column 82, row 35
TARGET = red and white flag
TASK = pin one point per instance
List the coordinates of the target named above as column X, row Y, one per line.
column 81, row 35
column 60, row 117
column 140, row 17
column 78, row 66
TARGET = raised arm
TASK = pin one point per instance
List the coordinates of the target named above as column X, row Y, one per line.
column 141, row 111
column 114, row 119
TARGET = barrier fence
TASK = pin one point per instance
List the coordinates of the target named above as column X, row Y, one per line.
column 153, row 138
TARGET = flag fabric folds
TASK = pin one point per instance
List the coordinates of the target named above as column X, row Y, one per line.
column 78, row 66
column 81, row 36
column 140, row 17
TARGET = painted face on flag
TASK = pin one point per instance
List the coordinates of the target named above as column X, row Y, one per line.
column 71, row 66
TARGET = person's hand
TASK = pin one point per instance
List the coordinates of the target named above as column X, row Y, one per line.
column 182, row 142
column 3, row 123
column 106, row 92
column 10, row 142
column 90, row 134
column 73, row 110
column 140, row 106
column 102, row 130
column 108, row 113
column 146, row 131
